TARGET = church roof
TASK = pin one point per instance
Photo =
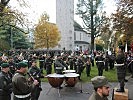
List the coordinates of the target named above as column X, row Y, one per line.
column 77, row 27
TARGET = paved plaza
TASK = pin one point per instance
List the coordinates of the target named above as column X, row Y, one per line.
column 75, row 93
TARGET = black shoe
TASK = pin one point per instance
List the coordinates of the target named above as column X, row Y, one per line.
column 120, row 90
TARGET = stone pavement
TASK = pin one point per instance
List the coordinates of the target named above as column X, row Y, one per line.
column 75, row 93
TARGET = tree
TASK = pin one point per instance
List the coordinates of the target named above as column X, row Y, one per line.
column 88, row 11
column 123, row 19
column 4, row 3
column 19, row 39
column 106, row 31
column 9, row 30
column 99, row 44
column 46, row 33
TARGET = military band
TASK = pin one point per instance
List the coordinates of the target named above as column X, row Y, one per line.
column 38, row 63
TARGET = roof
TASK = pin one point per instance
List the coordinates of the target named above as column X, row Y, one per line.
column 78, row 27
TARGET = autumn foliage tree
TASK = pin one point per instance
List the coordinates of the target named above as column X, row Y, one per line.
column 46, row 33
column 123, row 19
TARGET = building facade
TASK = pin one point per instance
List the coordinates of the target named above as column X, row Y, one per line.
column 82, row 39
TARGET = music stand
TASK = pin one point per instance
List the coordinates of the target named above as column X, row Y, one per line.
column 81, row 88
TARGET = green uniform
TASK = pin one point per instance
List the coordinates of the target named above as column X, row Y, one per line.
column 21, row 87
column 35, row 72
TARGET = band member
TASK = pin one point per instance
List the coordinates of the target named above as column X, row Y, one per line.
column 5, row 83
column 106, row 60
column 71, row 62
column 30, row 58
column 35, row 73
column 111, row 60
column 88, row 66
column 41, row 62
column 79, row 64
column 12, row 66
column 21, row 86
column 100, row 63
column 48, row 64
column 59, row 67
column 92, row 59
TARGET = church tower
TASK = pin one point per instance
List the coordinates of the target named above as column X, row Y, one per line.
column 65, row 23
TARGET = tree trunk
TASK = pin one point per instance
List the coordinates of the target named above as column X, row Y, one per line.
column 92, row 28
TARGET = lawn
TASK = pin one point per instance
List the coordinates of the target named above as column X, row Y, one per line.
column 110, row 74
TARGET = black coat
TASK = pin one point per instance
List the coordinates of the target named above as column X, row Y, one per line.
column 5, row 86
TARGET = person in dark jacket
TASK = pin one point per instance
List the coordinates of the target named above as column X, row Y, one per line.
column 88, row 66
column 121, row 69
column 100, row 63
column 41, row 62
column 48, row 64
column 101, row 87
column 58, row 66
column 35, row 73
column 5, row 83
column 21, row 86
column 79, row 64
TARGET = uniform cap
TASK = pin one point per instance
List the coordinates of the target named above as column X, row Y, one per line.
column 5, row 65
column 99, row 81
column 22, row 64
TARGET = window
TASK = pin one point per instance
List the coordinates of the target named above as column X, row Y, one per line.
column 70, row 45
column 74, row 35
column 70, row 31
column 80, row 36
column 70, row 38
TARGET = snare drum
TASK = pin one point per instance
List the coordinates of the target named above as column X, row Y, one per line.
column 55, row 80
column 71, row 79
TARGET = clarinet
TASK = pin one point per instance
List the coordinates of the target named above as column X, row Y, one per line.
column 31, row 76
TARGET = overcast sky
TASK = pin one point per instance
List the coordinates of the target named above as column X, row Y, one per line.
column 37, row 7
